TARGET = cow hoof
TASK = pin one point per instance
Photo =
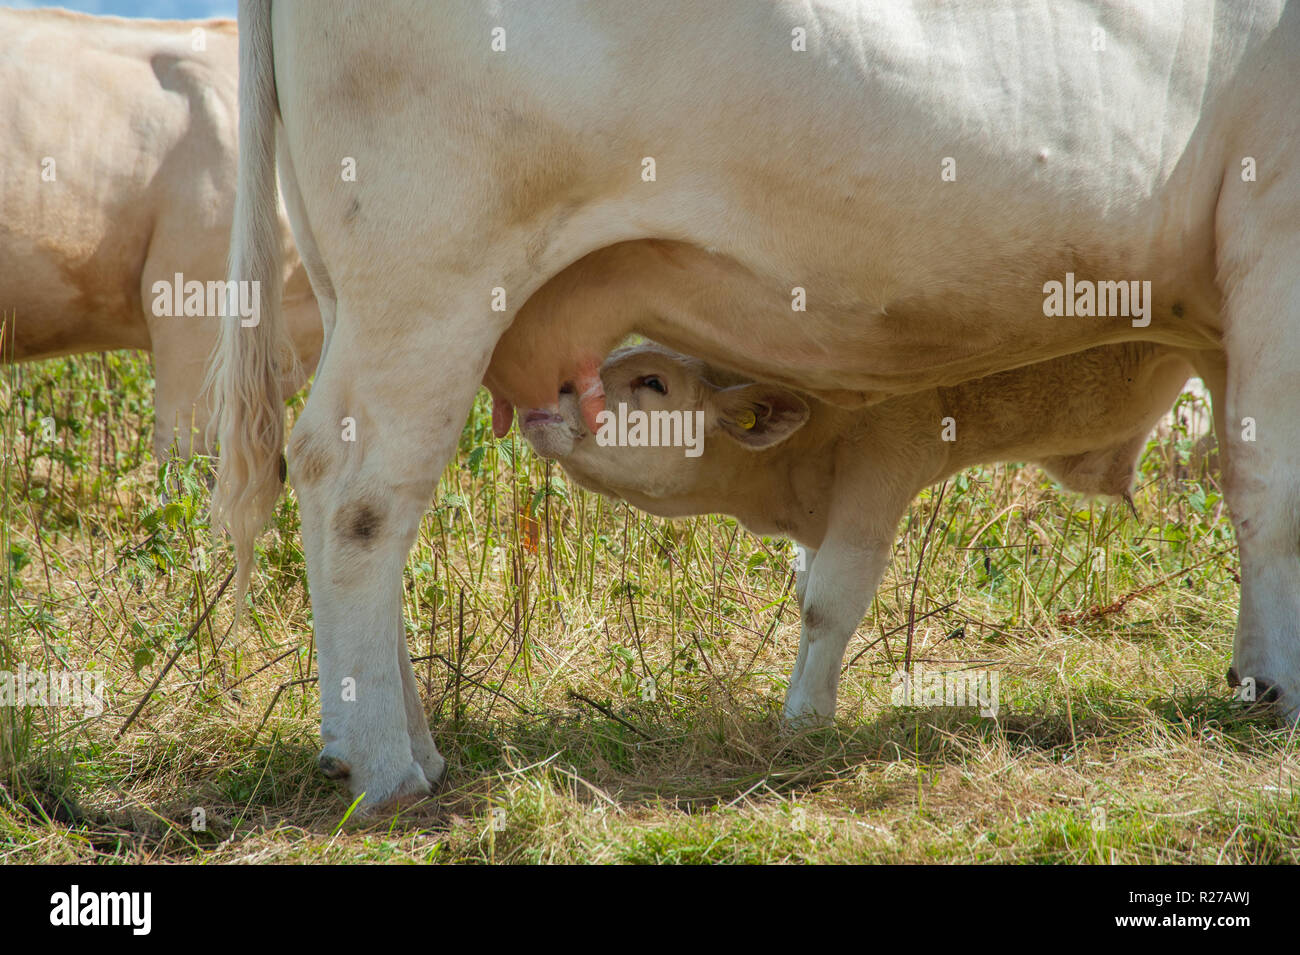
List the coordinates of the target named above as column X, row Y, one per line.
column 426, row 754
column 383, row 790
column 1267, row 693
column 333, row 767
column 434, row 767
column 380, row 797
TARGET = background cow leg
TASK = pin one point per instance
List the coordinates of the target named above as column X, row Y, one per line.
column 801, row 576
column 1212, row 369
column 1261, row 439
column 179, row 364
column 382, row 421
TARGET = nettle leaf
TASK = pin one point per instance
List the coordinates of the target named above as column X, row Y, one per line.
column 538, row 497
column 554, row 489
column 18, row 557
column 173, row 513
column 475, row 462
column 141, row 659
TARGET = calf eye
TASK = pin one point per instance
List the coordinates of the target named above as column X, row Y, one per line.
column 653, row 382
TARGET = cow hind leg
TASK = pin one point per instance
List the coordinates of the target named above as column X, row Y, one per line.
column 1261, row 442
column 364, row 459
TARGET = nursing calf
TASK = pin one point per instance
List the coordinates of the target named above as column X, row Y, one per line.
column 838, row 481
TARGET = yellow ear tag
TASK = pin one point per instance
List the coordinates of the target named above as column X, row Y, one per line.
column 747, row 419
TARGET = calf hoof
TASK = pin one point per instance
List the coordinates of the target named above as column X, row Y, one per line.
column 802, row 715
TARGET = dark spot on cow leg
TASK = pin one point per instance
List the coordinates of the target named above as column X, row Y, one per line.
column 359, row 523
column 1177, row 310
column 811, row 618
column 353, row 208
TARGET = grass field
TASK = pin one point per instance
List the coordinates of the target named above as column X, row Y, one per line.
column 535, row 614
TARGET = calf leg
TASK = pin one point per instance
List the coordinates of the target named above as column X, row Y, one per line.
column 840, row 584
column 803, row 571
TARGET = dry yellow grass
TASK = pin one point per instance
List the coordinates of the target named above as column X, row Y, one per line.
column 535, row 619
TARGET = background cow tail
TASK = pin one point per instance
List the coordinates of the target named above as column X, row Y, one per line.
column 252, row 360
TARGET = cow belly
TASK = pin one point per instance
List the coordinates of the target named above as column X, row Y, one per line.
column 911, row 347
column 62, row 304
column 819, row 337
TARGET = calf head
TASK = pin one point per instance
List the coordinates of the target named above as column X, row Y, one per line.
column 667, row 431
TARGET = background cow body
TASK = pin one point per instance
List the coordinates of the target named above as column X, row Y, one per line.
column 483, row 169
column 117, row 170
column 842, row 480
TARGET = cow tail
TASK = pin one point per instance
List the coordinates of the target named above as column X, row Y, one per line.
column 253, row 355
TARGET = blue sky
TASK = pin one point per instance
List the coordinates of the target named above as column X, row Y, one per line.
column 154, row 9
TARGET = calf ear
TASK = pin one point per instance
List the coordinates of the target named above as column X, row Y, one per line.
column 759, row 416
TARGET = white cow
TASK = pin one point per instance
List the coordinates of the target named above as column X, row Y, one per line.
column 117, row 172
column 838, row 481
column 856, row 199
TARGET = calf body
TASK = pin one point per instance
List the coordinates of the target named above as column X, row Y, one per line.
column 838, row 481
column 117, row 172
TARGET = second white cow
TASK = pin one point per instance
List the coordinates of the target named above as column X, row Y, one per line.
column 838, row 481
column 117, row 186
